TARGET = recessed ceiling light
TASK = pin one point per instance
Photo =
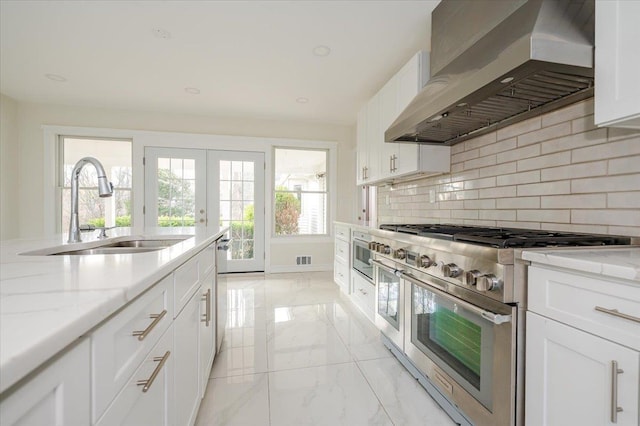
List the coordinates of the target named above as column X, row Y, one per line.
column 55, row 77
column 192, row 90
column 302, row 100
column 161, row 33
column 321, row 50
column 506, row 80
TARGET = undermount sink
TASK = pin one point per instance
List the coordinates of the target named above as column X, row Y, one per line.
column 118, row 245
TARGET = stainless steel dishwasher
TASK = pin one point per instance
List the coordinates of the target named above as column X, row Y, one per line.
column 221, row 290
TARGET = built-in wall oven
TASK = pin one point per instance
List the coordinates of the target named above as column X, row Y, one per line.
column 361, row 254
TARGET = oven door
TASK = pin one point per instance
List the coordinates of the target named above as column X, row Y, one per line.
column 361, row 259
column 467, row 351
column 389, row 306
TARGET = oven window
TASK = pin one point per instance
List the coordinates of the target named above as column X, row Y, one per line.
column 388, row 297
column 361, row 256
column 449, row 333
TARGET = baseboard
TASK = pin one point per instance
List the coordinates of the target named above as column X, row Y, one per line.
column 277, row 269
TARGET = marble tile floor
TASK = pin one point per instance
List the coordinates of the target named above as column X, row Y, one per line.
column 298, row 352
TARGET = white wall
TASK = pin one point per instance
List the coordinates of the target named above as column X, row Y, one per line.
column 9, row 147
column 31, row 117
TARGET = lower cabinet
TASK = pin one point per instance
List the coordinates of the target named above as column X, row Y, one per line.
column 577, row 378
column 207, row 328
column 186, row 332
column 59, row 394
column 363, row 294
column 146, row 397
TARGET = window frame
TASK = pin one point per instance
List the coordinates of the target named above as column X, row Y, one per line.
column 327, row 192
column 59, row 175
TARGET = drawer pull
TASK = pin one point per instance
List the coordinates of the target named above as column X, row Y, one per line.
column 615, row 313
column 206, row 318
column 614, row 391
column 156, row 319
column 146, row 384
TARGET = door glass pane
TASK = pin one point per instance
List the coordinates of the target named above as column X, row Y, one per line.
column 388, row 297
column 176, row 192
column 236, row 206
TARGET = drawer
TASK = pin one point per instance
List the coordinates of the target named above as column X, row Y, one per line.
column 363, row 295
column 116, row 352
column 343, row 232
column 135, row 406
column 186, row 280
column 578, row 300
column 342, row 251
column 341, row 275
column 207, row 260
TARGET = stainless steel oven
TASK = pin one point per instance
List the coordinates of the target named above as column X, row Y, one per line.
column 361, row 254
column 465, row 346
column 389, row 302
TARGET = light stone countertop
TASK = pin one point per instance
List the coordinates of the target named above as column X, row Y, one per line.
column 615, row 262
column 364, row 228
column 49, row 302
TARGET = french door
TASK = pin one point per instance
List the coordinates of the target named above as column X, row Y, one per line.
column 212, row 189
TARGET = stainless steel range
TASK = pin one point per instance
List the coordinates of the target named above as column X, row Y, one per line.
column 450, row 303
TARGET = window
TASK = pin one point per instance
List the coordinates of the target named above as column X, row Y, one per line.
column 115, row 156
column 300, row 203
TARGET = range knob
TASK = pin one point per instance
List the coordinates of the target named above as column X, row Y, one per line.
column 373, row 246
column 386, row 249
column 400, row 254
column 425, row 261
column 470, row 277
column 488, row 282
column 451, row 270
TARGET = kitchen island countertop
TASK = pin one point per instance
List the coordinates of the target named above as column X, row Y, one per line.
column 49, row 302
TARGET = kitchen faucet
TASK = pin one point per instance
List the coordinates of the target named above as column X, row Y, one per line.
column 105, row 189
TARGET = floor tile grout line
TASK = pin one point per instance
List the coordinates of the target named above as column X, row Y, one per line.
column 374, row 392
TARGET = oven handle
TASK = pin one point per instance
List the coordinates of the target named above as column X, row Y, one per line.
column 397, row 272
column 496, row 319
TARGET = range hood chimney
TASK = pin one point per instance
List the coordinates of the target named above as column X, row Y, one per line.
column 497, row 62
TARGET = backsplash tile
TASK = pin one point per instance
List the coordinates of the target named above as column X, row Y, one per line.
column 556, row 172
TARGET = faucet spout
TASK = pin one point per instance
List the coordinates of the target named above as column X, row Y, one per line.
column 105, row 189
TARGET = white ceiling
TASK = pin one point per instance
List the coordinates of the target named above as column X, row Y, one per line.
column 247, row 58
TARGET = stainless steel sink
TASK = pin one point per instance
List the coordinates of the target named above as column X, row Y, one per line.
column 117, row 245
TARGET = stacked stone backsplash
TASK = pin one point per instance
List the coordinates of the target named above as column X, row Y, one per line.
column 556, row 172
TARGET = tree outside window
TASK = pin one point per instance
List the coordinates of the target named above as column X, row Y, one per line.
column 300, row 191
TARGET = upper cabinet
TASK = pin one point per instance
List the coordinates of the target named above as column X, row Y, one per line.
column 617, row 64
column 380, row 162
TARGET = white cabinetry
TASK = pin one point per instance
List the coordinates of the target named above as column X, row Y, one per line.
column 146, row 398
column 583, row 358
column 617, row 63
column 382, row 162
column 207, row 326
column 59, row 394
column 342, row 257
column 186, row 394
column 363, row 294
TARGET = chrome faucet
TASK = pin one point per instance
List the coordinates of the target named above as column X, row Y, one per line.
column 105, row 189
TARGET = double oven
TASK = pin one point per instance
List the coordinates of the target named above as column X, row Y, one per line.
column 464, row 344
column 450, row 303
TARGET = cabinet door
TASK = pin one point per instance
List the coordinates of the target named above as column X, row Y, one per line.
column 374, row 139
column 361, row 145
column 388, row 113
column 58, row 395
column 570, row 378
column 207, row 328
column 186, row 330
column 144, row 399
column 617, row 63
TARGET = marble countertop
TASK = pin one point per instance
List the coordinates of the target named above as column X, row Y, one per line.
column 354, row 225
column 48, row 302
column 615, row 262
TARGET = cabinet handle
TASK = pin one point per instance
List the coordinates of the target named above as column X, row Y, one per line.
column 156, row 319
column 614, row 391
column 393, row 162
column 390, row 163
column 206, row 318
column 146, row 384
column 615, row 313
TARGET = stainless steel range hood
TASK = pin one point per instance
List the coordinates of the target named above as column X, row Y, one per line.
column 497, row 62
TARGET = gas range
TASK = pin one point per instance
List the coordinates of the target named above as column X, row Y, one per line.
column 478, row 259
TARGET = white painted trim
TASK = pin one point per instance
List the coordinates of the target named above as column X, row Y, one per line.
column 278, row 269
column 302, row 239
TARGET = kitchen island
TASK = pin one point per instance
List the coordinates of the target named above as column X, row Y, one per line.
column 50, row 303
